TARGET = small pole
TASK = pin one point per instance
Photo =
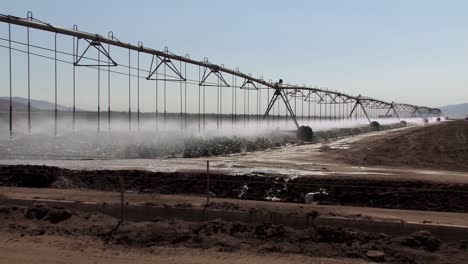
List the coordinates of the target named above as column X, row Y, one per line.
column 207, row 182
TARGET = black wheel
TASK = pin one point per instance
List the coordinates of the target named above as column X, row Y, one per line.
column 375, row 126
column 403, row 123
column 305, row 134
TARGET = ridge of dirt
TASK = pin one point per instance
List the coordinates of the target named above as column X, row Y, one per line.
column 411, row 194
column 318, row 241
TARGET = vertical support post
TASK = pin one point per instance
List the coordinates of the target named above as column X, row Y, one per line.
column 109, row 88
column 235, row 101
column 245, row 107
column 138, row 91
column 232, row 101
column 181, row 100
column 278, row 113
column 156, row 96
column 29, row 84
column 295, row 101
column 185, row 92
column 165, row 95
column 218, row 104
column 204, row 107
column 302, row 106
column 55, row 101
column 199, row 99
column 129, row 93
column 99, row 93
column 74, row 87
column 259, row 102
column 11, row 84
column 325, row 108
column 315, row 107
column 248, row 107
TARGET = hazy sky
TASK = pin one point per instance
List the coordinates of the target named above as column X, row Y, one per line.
column 406, row 51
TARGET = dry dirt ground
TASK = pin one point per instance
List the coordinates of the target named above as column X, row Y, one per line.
column 441, row 146
column 58, row 249
column 57, row 235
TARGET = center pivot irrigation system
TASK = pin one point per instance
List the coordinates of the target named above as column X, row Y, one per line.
column 172, row 74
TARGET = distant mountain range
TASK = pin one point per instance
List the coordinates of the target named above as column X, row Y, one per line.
column 21, row 104
column 455, row 111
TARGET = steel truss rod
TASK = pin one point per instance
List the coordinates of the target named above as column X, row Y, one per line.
column 220, row 78
column 248, row 85
column 167, row 63
column 101, row 50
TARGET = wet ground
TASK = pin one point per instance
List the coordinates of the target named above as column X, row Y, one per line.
column 322, row 159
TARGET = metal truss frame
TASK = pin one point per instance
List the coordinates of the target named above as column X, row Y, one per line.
column 165, row 59
column 215, row 71
column 100, row 48
column 279, row 93
column 166, row 62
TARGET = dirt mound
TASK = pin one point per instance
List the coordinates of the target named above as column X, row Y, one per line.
column 22, row 177
column 54, row 215
column 319, row 241
column 442, row 146
column 422, row 239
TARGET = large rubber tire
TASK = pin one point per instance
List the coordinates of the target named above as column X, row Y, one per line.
column 375, row 126
column 305, row 134
column 438, row 119
column 403, row 123
column 425, row 121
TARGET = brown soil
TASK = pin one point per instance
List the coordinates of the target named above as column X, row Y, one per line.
column 58, row 249
column 441, row 146
column 262, row 238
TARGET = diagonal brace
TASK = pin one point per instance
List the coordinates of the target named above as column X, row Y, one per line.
column 167, row 62
column 101, row 49
column 215, row 72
